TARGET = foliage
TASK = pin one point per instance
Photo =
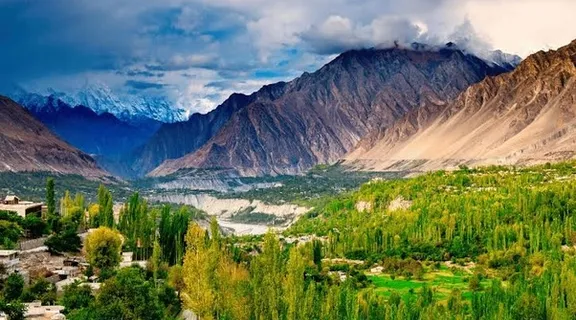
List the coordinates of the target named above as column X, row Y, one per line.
column 35, row 226
column 320, row 182
column 41, row 290
column 14, row 310
column 50, row 197
column 63, row 242
column 172, row 231
column 127, row 295
column 214, row 286
column 103, row 247
column 10, row 229
column 105, row 206
column 13, row 287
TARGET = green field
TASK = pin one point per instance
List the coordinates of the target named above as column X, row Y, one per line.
column 441, row 282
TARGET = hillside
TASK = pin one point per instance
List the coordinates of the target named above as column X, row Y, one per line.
column 27, row 145
column 321, row 116
column 174, row 140
column 523, row 117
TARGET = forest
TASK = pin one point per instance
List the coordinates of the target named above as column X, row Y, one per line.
column 488, row 243
column 474, row 243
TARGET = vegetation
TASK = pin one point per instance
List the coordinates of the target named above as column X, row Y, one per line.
column 308, row 189
column 103, row 247
column 32, row 185
column 488, row 243
column 507, row 234
column 129, row 294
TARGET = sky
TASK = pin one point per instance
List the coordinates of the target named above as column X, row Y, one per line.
column 198, row 52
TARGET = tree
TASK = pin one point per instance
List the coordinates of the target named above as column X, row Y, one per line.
column 14, row 310
column 76, row 296
column 105, row 205
column 267, row 276
column 35, row 226
column 156, row 261
column 50, row 197
column 128, row 296
column 197, row 295
column 294, row 291
column 474, row 283
column 10, row 232
column 64, row 241
column 13, row 287
column 175, row 279
column 103, row 248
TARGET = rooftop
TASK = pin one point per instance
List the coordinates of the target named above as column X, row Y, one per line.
column 6, row 253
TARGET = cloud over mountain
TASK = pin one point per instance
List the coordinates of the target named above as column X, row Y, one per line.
column 187, row 44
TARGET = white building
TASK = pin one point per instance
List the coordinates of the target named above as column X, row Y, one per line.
column 22, row 208
column 36, row 311
column 10, row 260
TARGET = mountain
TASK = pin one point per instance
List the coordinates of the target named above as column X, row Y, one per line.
column 101, row 99
column 27, row 145
column 319, row 117
column 98, row 134
column 522, row 117
column 174, row 140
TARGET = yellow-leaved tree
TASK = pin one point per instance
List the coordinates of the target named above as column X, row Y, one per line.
column 103, row 248
column 215, row 287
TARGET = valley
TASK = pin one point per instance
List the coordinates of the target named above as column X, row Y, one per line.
column 394, row 180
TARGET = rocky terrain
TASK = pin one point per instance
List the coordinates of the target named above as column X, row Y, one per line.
column 174, row 140
column 27, row 145
column 319, row 117
column 522, row 117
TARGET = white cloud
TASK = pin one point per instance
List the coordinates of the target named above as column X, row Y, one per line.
column 524, row 26
column 226, row 41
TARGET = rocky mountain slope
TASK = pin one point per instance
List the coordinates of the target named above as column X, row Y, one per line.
column 174, row 140
column 522, row 117
column 97, row 134
column 27, row 145
column 319, row 117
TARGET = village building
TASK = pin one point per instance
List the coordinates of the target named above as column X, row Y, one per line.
column 22, row 208
column 36, row 311
column 9, row 259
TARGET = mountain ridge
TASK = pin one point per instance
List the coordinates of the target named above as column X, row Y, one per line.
column 27, row 145
column 321, row 116
column 522, row 117
column 101, row 99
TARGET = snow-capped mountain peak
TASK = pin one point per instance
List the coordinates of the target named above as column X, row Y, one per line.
column 100, row 98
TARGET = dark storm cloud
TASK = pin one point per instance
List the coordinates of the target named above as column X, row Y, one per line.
column 143, row 85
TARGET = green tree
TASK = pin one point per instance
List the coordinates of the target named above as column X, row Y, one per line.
column 156, row 261
column 35, row 226
column 65, row 241
column 76, row 296
column 50, row 197
column 128, row 296
column 294, row 290
column 14, row 309
column 13, row 287
column 105, row 205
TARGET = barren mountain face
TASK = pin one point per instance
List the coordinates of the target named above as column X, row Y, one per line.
column 523, row 117
column 27, row 145
column 319, row 117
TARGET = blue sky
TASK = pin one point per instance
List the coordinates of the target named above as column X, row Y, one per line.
column 197, row 52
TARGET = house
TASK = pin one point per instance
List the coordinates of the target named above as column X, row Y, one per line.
column 22, row 208
column 11, row 200
column 10, row 260
column 35, row 310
